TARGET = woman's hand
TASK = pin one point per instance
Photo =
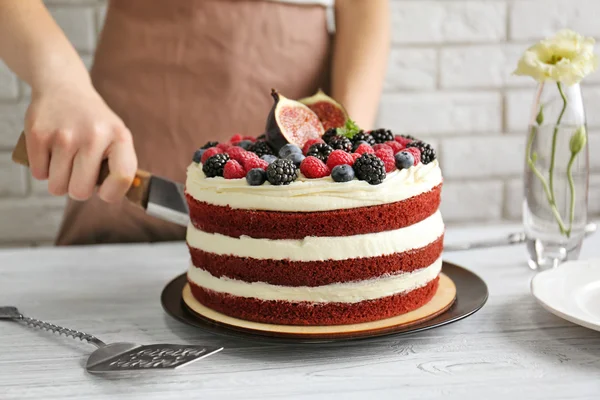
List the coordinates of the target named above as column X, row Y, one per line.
column 69, row 131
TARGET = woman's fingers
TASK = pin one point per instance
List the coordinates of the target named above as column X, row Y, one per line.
column 86, row 167
column 122, row 164
column 38, row 153
column 61, row 163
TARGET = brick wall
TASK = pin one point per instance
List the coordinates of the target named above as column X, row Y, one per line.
column 448, row 81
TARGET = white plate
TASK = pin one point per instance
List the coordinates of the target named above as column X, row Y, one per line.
column 571, row 291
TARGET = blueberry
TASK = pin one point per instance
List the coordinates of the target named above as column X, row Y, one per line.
column 404, row 159
column 198, row 155
column 269, row 158
column 245, row 144
column 256, row 177
column 296, row 158
column 288, row 149
column 342, row 173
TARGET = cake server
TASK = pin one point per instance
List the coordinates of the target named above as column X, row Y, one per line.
column 159, row 197
column 116, row 357
column 512, row 239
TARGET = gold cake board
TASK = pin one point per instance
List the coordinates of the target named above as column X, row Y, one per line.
column 441, row 301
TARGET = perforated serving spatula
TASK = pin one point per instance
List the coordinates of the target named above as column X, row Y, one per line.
column 159, row 197
column 118, row 357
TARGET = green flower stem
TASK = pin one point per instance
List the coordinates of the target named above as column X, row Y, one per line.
column 572, row 188
column 554, row 140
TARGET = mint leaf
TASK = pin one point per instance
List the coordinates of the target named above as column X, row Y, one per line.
column 348, row 130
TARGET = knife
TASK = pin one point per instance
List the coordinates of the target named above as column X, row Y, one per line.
column 159, row 197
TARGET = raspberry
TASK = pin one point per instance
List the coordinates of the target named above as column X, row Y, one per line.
column 233, row 170
column 355, row 156
column 310, row 143
column 223, row 146
column 311, row 167
column 402, row 140
column 377, row 146
column 235, row 153
column 236, row 138
column 244, row 157
column 255, row 162
column 427, row 152
column 250, row 138
column 388, row 159
column 364, row 148
column 395, row 146
column 339, row 157
column 209, row 153
column 415, row 152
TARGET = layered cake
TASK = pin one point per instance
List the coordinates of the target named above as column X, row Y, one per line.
column 308, row 226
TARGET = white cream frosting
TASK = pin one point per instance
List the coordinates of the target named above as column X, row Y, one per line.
column 307, row 195
column 313, row 248
column 347, row 292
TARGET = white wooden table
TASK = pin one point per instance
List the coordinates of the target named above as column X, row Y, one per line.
column 511, row 349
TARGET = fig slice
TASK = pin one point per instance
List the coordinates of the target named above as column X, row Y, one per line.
column 291, row 122
column 331, row 113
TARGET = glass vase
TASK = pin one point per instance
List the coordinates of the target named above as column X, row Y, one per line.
column 556, row 176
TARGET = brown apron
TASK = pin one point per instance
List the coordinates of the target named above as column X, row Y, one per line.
column 182, row 72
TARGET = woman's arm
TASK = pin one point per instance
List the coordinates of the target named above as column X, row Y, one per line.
column 361, row 48
column 69, row 129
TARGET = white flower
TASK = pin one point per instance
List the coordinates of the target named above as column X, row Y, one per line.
column 567, row 57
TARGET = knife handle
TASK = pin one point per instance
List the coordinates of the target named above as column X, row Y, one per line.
column 137, row 193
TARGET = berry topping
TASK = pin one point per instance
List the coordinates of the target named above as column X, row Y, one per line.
column 236, row 152
column 236, row 138
column 209, row 153
column 214, row 165
column 387, row 157
column 244, row 144
column 309, row 143
column 261, row 148
column 404, row 159
column 427, row 152
column 370, row 168
column 395, row 146
column 262, row 137
column 289, row 149
column 364, row 148
column 341, row 143
column 382, row 135
column 312, row 168
column 198, row 155
column 355, row 156
column 320, row 150
column 416, row 153
column 342, row 173
column 282, row 172
column 208, row 145
column 233, row 170
column 255, row 162
column 256, row 177
column 403, row 140
column 339, row 157
column 362, row 136
column 250, row 138
column 223, row 146
column 296, row 158
column 379, row 146
column 269, row 158
column 329, row 134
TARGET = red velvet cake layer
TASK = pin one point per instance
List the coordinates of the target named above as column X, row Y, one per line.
column 304, row 313
column 315, row 273
column 298, row 225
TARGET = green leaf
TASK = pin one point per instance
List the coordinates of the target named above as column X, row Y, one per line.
column 348, row 130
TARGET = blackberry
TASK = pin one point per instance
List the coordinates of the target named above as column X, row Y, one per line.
column 409, row 137
column 261, row 148
column 320, row 150
column 427, row 152
column 362, row 136
column 282, row 172
column 208, row 145
column 329, row 134
column 382, row 135
column 261, row 137
column 370, row 168
column 341, row 143
column 215, row 164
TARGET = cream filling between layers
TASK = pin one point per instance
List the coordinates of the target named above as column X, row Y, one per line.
column 351, row 292
column 307, row 195
column 313, row 248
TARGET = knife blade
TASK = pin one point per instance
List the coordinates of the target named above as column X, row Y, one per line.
column 159, row 197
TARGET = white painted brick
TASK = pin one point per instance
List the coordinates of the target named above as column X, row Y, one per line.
column 472, row 201
column 518, row 105
column 13, row 178
column 11, row 123
column 411, row 69
column 30, row 219
column 594, row 195
column 441, row 113
column 421, row 21
column 481, row 66
column 78, row 24
column 513, row 199
column 535, row 19
column 9, row 84
column 594, row 148
column 484, row 156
